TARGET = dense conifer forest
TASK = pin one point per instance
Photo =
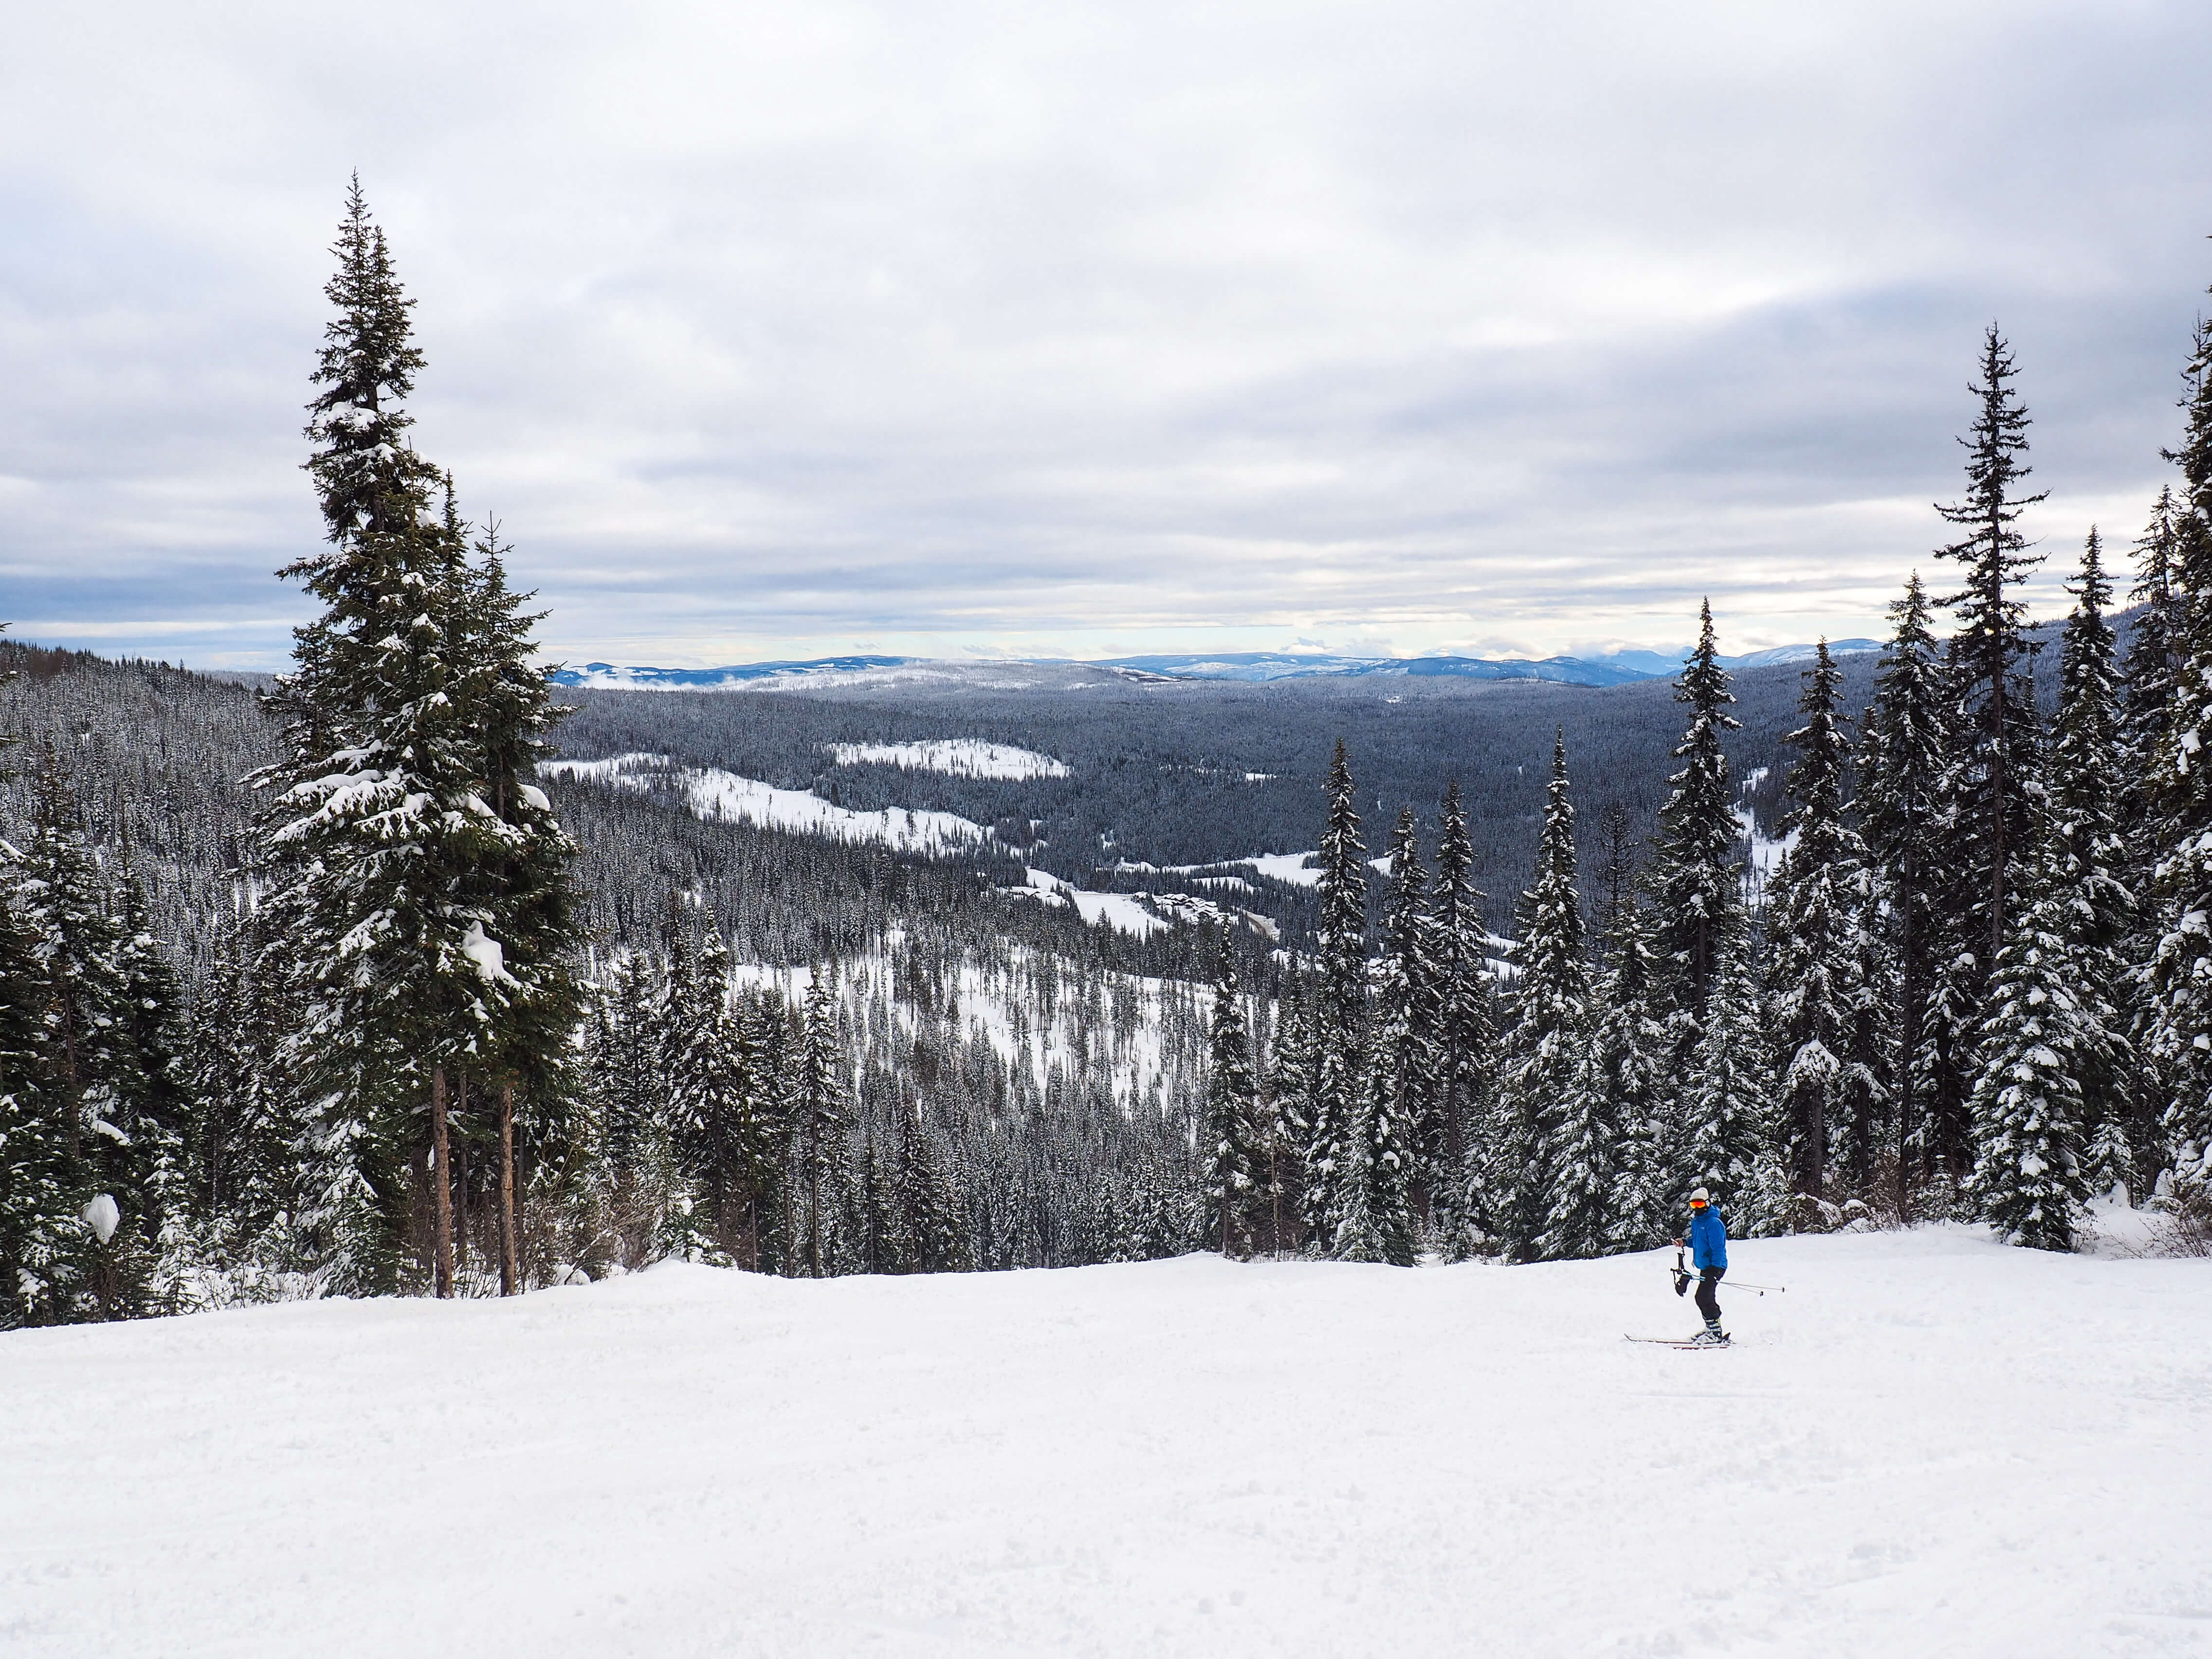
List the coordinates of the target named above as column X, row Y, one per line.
column 332, row 987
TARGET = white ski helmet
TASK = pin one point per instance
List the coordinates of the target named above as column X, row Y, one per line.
column 1701, row 1196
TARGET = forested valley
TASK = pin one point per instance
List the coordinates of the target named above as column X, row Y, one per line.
column 360, row 984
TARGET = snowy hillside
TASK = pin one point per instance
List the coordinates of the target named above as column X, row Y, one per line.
column 1929, row 1446
column 717, row 795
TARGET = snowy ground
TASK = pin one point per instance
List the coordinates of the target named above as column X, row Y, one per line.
column 713, row 794
column 1929, row 1446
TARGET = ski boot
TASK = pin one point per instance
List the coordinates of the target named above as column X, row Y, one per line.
column 1712, row 1337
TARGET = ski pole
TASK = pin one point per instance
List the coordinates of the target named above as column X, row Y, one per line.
column 1738, row 1284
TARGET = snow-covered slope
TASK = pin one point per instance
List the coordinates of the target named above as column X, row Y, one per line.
column 1929, row 1446
column 958, row 757
column 714, row 793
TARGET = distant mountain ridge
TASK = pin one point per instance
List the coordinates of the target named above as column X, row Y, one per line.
column 1618, row 668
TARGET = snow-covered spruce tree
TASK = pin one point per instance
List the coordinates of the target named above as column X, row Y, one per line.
column 1729, row 1145
column 526, row 885
column 929, row 1195
column 1697, row 885
column 1622, row 1159
column 2149, row 677
column 2177, row 981
column 1230, row 1137
column 1466, row 1036
column 816, row 1173
column 2089, row 852
column 1338, row 1010
column 2030, row 1125
column 1290, row 1072
column 111, row 1143
column 1903, row 814
column 379, row 820
column 42, row 1189
column 1822, row 1009
column 1986, row 783
column 237, row 1155
column 1546, row 1048
column 1406, row 1021
column 709, row 1107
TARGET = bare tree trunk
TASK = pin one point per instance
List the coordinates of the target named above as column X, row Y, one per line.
column 466, row 1203
column 510, row 1281
column 441, row 1186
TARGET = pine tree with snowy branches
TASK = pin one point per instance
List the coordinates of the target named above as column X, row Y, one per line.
column 1727, row 1141
column 1466, row 1035
column 1405, row 1018
column 1337, row 1177
column 1903, row 812
column 111, row 1143
column 1230, row 1137
column 42, row 1190
column 2030, row 1126
column 380, row 815
column 1632, row 1106
column 1995, row 719
column 1831, row 1091
column 1546, row 1049
column 2178, row 979
column 818, row 1118
column 2091, row 866
column 1697, row 883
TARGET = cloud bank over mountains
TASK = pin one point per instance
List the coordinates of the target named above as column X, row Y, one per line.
column 1095, row 331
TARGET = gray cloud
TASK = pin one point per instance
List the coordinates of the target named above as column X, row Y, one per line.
column 1083, row 329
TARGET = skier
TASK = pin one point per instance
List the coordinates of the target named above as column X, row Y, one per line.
column 1709, row 1256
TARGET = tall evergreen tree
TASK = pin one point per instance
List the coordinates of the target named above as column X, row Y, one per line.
column 110, row 1141
column 380, row 815
column 1626, row 1201
column 1336, row 1174
column 818, row 1133
column 2178, row 980
column 2090, row 870
column 1545, row 1047
column 1466, row 1036
column 1231, row 1137
column 525, row 884
column 42, row 1189
column 1696, row 881
column 2037, row 1043
column 1822, row 1002
column 1904, row 811
column 1997, row 713
column 1406, row 1016
column 1728, row 1144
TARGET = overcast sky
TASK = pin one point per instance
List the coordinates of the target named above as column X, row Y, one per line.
column 1047, row 329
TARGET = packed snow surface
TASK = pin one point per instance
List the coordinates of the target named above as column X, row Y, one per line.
column 958, row 757
column 1929, row 1445
column 712, row 793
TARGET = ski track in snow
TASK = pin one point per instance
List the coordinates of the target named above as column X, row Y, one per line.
column 712, row 793
column 958, row 757
column 1930, row 1445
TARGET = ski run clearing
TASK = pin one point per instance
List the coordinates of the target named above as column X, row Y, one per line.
column 958, row 757
column 1929, row 1445
column 716, row 795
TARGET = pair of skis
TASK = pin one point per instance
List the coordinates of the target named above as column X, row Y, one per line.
column 1678, row 1341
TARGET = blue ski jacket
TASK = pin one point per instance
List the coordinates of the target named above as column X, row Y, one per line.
column 1708, row 1240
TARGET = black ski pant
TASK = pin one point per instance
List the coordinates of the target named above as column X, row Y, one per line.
column 1708, row 1304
